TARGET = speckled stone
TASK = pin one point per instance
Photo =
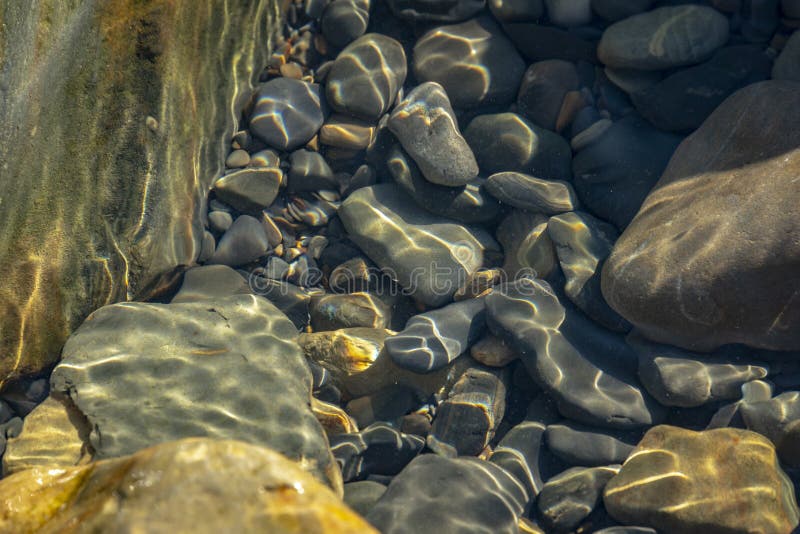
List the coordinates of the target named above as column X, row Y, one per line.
column 192, row 485
column 426, row 126
column 366, row 77
column 415, row 246
column 287, row 113
column 434, row 494
column 166, row 357
column 249, row 190
column 671, row 36
column 548, row 197
column 474, row 62
column 507, row 142
column 723, row 480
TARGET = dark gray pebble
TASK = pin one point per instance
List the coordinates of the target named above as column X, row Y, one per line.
column 244, row 242
column 309, row 172
column 287, row 113
column 548, row 197
column 583, row 445
column 568, row 498
column 344, row 21
column 249, row 190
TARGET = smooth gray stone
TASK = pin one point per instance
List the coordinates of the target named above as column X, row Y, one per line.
column 379, row 449
column 631, row 80
column 265, row 158
column 436, row 10
column 588, row 446
column 522, row 451
column 348, row 310
column 276, row 268
column 438, row 495
column 569, row 13
column 508, row 142
column 344, row 21
column 309, row 172
column 568, row 498
column 219, row 221
column 366, row 77
column 677, row 377
column 470, row 203
column 287, row 113
column 245, row 241
column 627, row 530
column 208, row 282
column 474, row 62
column 682, row 101
column 527, row 246
column 614, row 174
column 613, row 10
column 426, row 126
column 582, row 244
column 433, row 339
column 779, row 420
column 548, row 197
column 226, row 368
column 466, row 422
column 543, row 88
column 362, row 495
column 787, row 65
column 516, row 10
column 237, row 158
column 666, row 37
column 207, row 247
column 586, row 369
column 428, row 255
column 287, row 297
column 251, row 189
column 538, row 42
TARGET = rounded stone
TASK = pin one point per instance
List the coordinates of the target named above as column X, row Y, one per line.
column 287, row 113
column 787, row 65
column 344, row 21
column 245, row 241
column 516, row 10
column 249, row 190
column 543, row 88
column 569, row 13
column 548, row 197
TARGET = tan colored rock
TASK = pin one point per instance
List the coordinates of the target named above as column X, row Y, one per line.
column 334, row 420
column 722, row 480
column 55, row 433
column 712, row 256
column 117, row 116
column 194, row 485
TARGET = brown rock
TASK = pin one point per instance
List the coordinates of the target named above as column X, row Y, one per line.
column 125, row 107
column 723, row 480
column 194, row 485
column 712, row 256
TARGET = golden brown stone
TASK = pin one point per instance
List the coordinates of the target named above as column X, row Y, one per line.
column 722, row 480
column 194, row 485
column 334, row 420
column 117, row 116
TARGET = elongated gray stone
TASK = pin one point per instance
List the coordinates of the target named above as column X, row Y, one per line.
column 583, row 445
column 548, row 197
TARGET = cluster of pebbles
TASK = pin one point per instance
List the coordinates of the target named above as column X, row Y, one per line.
column 429, row 192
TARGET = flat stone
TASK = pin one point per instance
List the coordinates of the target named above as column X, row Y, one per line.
column 568, row 498
column 585, row 373
column 433, row 339
column 787, row 64
column 287, row 113
column 682, row 101
column 237, row 158
column 208, row 282
column 439, row 11
column 676, row 377
column 219, row 221
column 126, row 112
column 379, row 449
column 569, row 13
column 548, row 197
column 776, row 419
column 666, row 37
column 244, row 242
column 528, row 248
column 474, row 62
column 249, row 190
column 719, row 480
column 466, row 421
column 426, row 126
column 538, row 43
column 366, row 77
column 588, row 446
column 516, row 10
column 507, row 142
column 309, row 172
column 344, row 21
column 478, row 494
column 192, row 485
column 543, row 88
column 670, row 281
column 428, row 255
column 614, row 10
column 614, row 173
column 470, row 203
column 343, row 131
column 169, row 356
column 332, row 312
column 582, row 244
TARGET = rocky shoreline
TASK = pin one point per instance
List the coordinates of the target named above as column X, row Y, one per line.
column 502, row 266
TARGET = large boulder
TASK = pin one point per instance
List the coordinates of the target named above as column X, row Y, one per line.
column 113, row 122
column 713, row 256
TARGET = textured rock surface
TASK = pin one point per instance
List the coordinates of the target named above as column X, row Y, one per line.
column 192, row 485
column 144, row 374
column 724, row 480
column 152, row 90
column 712, row 256
column 428, row 254
column 569, row 497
